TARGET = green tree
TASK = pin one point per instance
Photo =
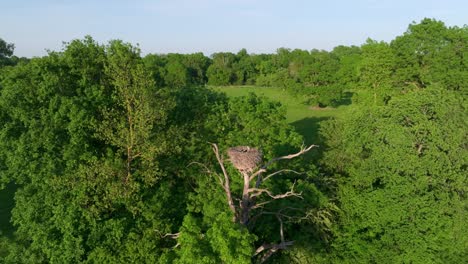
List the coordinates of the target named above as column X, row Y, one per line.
column 402, row 180
column 220, row 72
column 156, row 65
column 244, row 68
column 6, row 51
column 89, row 130
column 429, row 52
column 176, row 75
column 47, row 134
column 197, row 65
column 376, row 67
column 349, row 60
column 209, row 234
column 320, row 70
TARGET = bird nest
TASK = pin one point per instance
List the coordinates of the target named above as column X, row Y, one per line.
column 245, row 158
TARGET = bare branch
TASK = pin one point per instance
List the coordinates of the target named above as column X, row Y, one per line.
column 251, row 190
column 272, row 248
column 281, row 171
column 266, row 246
column 275, row 247
column 170, row 235
column 284, row 195
column 290, row 156
column 226, row 186
column 262, row 170
column 276, row 197
column 281, row 228
column 261, row 204
column 256, row 192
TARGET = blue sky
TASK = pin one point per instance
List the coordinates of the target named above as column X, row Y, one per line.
column 209, row 26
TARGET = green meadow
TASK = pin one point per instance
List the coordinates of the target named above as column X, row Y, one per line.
column 305, row 118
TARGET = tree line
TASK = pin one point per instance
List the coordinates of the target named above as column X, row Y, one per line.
column 428, row 52
column 121, row 158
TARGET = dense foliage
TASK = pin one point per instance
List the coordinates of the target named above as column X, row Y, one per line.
column 109, row 154
column 402, row 179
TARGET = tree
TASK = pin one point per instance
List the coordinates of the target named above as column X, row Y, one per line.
column 220, row 72
column 428, row 53
column 349, row 60
column 244, row 68
column 89, row 128
column 176, row 75
column 6, row 51
column 321, row 69
column 208, row 232
column 197, row 65
column 156, row 65
column 252, row 189
column 376, row 66
column 401, row 180
column 47, row 133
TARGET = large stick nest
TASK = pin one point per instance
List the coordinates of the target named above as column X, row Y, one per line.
column 245, row 158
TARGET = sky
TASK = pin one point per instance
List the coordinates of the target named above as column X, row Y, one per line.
column 208, row 26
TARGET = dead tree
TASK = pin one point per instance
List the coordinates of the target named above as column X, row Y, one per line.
column 247, row 160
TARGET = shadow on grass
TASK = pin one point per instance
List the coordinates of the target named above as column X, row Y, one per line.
column 7, row 203
column 309, row 128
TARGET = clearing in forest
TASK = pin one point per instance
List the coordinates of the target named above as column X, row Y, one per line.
column 304, row 118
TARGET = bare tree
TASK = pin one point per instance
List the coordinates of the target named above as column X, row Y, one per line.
column 246, row 160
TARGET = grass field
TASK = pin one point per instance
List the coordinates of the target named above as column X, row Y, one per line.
column 305, row 119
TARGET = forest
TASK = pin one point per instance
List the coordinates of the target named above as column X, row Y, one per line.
column 109, row 156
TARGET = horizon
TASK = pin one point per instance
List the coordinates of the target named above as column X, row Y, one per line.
column 208, row 26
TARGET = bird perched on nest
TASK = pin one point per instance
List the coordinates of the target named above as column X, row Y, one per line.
column 245, row 158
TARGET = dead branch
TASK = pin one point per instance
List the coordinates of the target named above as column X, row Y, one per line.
column 281, row 171
column 272, row 248
column 247, row 201
column 245, row 159
column 290, row 156
column 256, row 192
column 171, row 235
column 420, row 148
column 281, row 228
column 275, row 197
column 226, row 185
column 258, row 172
